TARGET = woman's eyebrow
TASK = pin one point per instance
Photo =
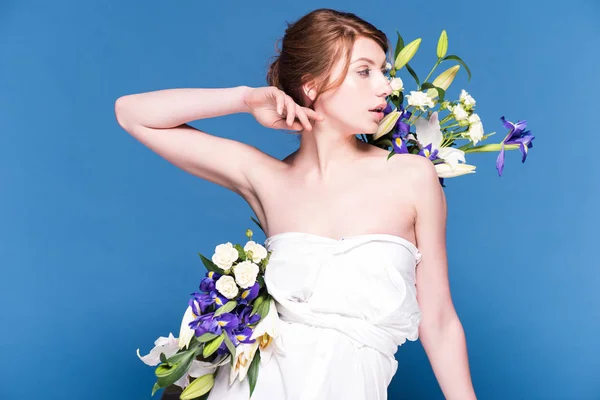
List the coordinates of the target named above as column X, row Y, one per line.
column 369, row 61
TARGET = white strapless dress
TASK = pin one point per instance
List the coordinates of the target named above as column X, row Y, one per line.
column 345, row 305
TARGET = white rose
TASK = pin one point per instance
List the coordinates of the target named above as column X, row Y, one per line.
column 475, row 132
column 388, row 66
column 397, row 84
column 227, row 287
column 419, row 100
column 466, row 99
column 459, row 112
column 245, row 273
column 225, row 255
column 258, row 251
column 474, row 118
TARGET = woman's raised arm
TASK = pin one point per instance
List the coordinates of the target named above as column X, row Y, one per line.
column 158, row 120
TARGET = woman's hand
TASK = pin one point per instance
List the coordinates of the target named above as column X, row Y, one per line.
column 274, row 109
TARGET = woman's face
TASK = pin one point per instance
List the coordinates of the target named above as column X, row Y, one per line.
column 365, row 87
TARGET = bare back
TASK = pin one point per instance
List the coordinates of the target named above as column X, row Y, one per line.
column 369, row 196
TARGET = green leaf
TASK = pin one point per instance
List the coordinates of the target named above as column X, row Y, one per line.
column 385, row 142
column 207, row 337
column 257, row 302
column 155, row 388
column 413, row 74
column 230, row 305
column 441, row 92
column 253, row 371
column 169, row 374
column 230, row 347
column 210, row 266
column 163, row 358
column 212, row 346
column 261, row 281
column 457, row 58
column 407, row 53
column 442, row 46
column 198, row 387
column 258, row 223
column 175, row 358
column 399, row 45
column 241, row 252
column 264, row 307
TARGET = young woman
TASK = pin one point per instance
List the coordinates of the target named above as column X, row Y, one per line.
column 347, row 227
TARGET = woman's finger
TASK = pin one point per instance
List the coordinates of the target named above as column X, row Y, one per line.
column 303, row 118
column 312, row 114
column 280, row 96
column 291, row 110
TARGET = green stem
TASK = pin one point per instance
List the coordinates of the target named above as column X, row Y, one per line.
column 492, row 147
column 432, row 69
column 450, row 126
column 446, row 119
column 416, row 117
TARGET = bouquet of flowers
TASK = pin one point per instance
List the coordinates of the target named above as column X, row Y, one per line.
column 434, row 136
column 228, row 320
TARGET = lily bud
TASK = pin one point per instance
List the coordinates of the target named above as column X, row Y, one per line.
column 443, row 80
column 407, row 53
column 446, row 171
column 249, row 234
column 386, row 124
column 442, row 46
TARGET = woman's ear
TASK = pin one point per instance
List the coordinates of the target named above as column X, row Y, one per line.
column 309, row 89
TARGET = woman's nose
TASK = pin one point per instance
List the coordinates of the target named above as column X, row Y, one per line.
column 386, row 90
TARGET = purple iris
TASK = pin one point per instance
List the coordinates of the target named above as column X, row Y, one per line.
column 208, row 284
column 241, row 334
column 245, row 317
column 399, row 144
column 249, row 294
column 516, row 135
column 215, row 325
column 401, row 128
column 204, row 300
column 427, row 153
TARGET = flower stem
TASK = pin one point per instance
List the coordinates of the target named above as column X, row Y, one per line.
column 432, row 69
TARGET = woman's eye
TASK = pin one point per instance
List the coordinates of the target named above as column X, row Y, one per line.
column 364, row 72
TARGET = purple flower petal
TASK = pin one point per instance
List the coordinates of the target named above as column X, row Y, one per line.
column 500, row 161
column 249, row 294
column 399, row 145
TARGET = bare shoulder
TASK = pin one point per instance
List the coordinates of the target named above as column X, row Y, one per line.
column 411, row 170
column 415, row 179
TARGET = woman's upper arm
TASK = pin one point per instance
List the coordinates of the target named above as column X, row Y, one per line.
column 433, row 288
column 226, row 162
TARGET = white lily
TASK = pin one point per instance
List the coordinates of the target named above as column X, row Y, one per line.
column 429, row 132
column 244, row 353
column 268, row 335
column 167, row 345
column 446, row 171
column 185, row 332
column 197, row 369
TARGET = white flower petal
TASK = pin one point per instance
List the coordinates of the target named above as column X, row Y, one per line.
column 169, row 346
column 451, row 156
column 429, row 131
column 185, row 332
column 445, row 171
column 243, row 358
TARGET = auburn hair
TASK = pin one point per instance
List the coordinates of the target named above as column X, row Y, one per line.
column 311, row 46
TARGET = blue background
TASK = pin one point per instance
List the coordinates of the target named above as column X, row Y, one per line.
column 99, row 236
